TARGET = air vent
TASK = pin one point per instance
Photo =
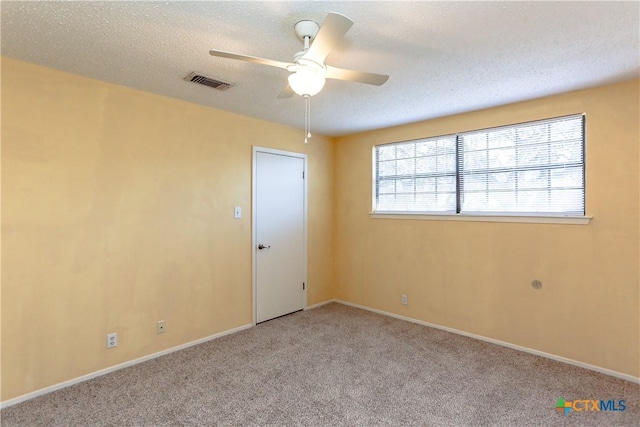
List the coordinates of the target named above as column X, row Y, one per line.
column 208, row 81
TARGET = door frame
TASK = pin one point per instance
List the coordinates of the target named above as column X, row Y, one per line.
column 254, row 218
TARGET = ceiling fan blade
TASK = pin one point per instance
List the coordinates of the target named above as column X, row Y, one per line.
column 247, row 58
column 355, row 76
column 331, row 32
column 287, row 92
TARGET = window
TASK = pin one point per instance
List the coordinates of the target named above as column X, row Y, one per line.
column 417, row 176
column 532, row 169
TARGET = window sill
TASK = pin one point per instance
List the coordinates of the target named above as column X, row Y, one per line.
column 569, row 220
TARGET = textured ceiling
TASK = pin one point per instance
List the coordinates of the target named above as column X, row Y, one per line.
column 442, row 57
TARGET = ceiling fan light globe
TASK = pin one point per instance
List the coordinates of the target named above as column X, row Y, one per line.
column 306, row 82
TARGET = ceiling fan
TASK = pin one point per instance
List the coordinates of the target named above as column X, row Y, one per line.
column 308, row 69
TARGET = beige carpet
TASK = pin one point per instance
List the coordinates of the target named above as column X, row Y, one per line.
column 335, row 366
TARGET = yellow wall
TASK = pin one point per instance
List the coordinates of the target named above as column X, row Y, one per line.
column 117, row 211
column 475, row 276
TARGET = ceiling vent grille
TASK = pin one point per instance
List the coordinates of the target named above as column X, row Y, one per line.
column 208, row 81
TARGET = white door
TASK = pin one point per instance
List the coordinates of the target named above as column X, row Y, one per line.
column 279, row 234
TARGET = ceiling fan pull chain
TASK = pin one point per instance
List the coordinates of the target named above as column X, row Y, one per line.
column 307, row 118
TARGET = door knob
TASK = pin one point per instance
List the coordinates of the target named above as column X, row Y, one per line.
column 261, row 246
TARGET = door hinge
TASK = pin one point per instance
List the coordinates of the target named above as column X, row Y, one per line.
column 303, row 286
column 302, row 174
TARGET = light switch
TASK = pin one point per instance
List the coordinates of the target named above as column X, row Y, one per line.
column 237, row 212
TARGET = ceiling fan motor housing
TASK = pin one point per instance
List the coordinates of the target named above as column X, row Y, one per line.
column 306, row 29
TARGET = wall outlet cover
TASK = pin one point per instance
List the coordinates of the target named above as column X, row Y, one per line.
column 112, row 340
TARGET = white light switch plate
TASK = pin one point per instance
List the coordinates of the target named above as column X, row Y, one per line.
column 237, row 212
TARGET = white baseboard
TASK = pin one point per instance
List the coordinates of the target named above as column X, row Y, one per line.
column 498, row 342
column 320, row 304
column 101, row 372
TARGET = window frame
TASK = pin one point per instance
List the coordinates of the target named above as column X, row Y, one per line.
column 528, row 217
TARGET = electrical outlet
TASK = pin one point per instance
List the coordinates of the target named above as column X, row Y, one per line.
column 405, row 300
column 160, row 327
column 112, row 340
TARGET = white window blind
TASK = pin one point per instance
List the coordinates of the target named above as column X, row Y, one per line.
column 535, row 168
column 416, row 176
column 532, row 168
